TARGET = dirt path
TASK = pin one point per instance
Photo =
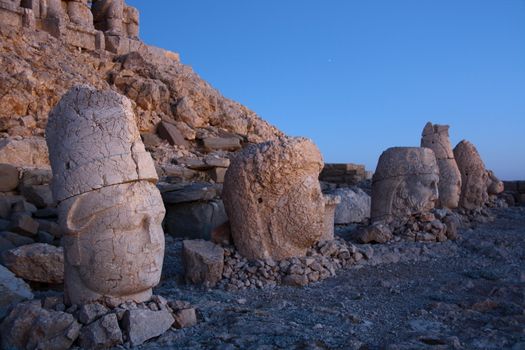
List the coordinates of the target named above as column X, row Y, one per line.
column 467, row 294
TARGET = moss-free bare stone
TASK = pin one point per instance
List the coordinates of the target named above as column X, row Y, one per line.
column 142, row 325
column 474, row 176
column 8, row 177
column 273, row 198
column 38, row 262
column 203, row 262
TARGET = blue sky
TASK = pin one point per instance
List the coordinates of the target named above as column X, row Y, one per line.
column 358, row 77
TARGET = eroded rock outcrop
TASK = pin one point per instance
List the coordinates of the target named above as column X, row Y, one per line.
column 109, row 208
column 273, row 198
column 436, row 138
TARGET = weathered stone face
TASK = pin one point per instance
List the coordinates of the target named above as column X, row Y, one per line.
column 437, row 139
column 474, row 177
column 405, row 183
column 494, row 185
column 108, row 15
column 114, row 242
column 109, row 208
column 273, row 198
column 79, row 13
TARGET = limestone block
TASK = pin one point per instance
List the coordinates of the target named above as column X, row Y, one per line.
column 405, row 183
column 91, row 312
column 28, row 152
column 142, row 325
column 194, row 219
column 94, row 142
column 23, row 224
column 273, row 198
column 102, row 334
column 29, row 326
column 12, row 289
column 330, row 203
column 354, row 207
column 8, row 177
column 185, row 318
column 38, row 262
column 170, row 133
column 474, row 176
column 437, row 139
column 221, row 143
column 203, row 262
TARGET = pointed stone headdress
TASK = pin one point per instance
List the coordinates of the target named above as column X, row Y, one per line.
column 94, row 142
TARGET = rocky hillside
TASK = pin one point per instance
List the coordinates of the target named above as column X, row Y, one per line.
column 170, row 100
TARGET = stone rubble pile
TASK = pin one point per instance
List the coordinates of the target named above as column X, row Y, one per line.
column 50, row 324
column 226, row 268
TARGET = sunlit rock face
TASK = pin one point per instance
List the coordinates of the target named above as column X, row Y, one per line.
column 273, row 198
column 474, row 176
column 405, row 183
column 437, row 139
column 109, row 207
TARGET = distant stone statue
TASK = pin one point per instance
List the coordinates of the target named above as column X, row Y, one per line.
column 116, row 18
column 79, row 13
column 494, row 185
column 273, row 199
column 405, row 183
column 109, row 207
column 436, row 138
column 478, row 182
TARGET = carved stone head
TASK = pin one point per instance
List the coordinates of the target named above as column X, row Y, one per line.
column 437, row 139
column 474, row 176
column 109, row 207
column 405, row 183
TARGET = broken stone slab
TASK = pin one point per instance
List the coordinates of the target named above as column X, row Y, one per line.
column 217, row 174
column 354, row 206
column 31, row 151
column 172, row 134
column 185, row 318
column 16, row 239
column 216, row 161
column 12, row 289
column 8, row 177
column 37, row 262
column 182, row 193
column 90, row 312
column 101, row 334
column 39, row 195
column 375, row 233
column 221, row 143
column 141, row 325
column 194, row 219
column 23, row 224
column 330, row 203
column 203, row 262
column 29, row 326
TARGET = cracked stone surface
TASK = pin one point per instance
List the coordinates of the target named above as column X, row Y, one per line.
column 273, row 198
column 109, row 207
column 437, row 139
column 474, row 176
column 405, row 183
column 94, row 142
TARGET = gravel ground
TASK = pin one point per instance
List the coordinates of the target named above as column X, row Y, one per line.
column 467, row 294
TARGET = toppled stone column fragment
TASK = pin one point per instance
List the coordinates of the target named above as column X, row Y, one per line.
column 404, row 183
column 109, row 207
column 437, row 139
column 273, row 198
column 473, row 174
